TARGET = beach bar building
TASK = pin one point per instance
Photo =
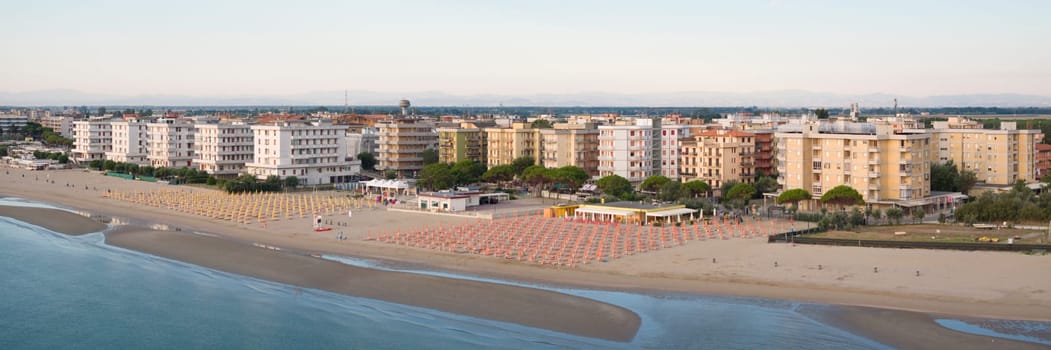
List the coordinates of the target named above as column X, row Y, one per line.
column 628, row 212
column 457, row 200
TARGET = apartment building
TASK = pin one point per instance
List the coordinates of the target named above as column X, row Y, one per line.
column 60, row 124
column 639, row 148
column 361, row 139
column 223, row 149
column 887, row 167
column 570, row 145
column 998, row 157
column 718, row 156
column 751, row 123
column 1043, row 160
column 627, row 149
column 670, row 134
column 401, row 144
column 315, row 152
column 170, row 143
column 92, row 139
column 764, row 152
column 462, row 141
column 130, row 142
column 9, row 122
column 507, row 144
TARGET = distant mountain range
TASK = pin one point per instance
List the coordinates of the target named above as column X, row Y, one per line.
column 778, row 98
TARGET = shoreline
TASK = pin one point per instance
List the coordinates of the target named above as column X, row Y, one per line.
column 519, row 305
column 628, row 274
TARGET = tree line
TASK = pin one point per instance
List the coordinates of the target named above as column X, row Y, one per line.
column 240, row 184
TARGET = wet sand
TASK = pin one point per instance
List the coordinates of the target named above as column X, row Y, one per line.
column 910, row 330
column 525, row 306
column 60, row 221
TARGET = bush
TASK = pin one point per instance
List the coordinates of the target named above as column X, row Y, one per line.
column 211, row 181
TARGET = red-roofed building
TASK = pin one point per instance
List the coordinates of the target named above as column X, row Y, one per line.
column 1043, row 160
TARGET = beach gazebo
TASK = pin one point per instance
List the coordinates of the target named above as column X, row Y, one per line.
column 387, row 187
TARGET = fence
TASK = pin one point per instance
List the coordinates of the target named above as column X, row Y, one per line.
column 916, row 244
column 786, row 237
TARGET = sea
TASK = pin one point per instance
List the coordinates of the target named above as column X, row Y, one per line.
column 64, row 292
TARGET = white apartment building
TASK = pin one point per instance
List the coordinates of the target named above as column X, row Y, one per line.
column 670, row 145
column 129, row 142
column 315, row 152
column 170, row 143
column 364, row 141
column 60, row 124
column 223, row 149
column 639, row 148
column 11, row 121
column 91, row 139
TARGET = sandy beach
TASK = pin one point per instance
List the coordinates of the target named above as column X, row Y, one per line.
column 964, row 284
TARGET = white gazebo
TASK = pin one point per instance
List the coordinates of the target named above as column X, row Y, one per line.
column 668, row 215
column 386, row 187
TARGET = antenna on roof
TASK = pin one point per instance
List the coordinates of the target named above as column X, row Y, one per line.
column 344, row 101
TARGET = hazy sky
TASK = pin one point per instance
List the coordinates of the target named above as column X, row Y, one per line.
column 233, row 48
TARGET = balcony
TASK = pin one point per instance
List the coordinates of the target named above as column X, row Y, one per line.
column 873, row 174
column 873, row 149
column 874, row 186
column 873, row 161
column 817, row 147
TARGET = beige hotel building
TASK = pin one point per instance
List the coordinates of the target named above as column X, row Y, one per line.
column 570, row 145
column 401, row 144
column 886, row 166
column 998, row 157
column 717, row 156
column 504, row 145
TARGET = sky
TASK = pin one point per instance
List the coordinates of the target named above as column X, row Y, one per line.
column 262, row 47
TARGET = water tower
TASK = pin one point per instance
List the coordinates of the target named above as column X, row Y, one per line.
column 404, row 104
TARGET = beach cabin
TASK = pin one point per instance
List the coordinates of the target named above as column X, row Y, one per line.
column 628, row 212
column 457, row 200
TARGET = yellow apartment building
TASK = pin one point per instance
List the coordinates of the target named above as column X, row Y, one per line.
column 462, row 142
column 997, row 157
column 718, row 156
column 570, row 144
column 886, row 166
column 507, row 144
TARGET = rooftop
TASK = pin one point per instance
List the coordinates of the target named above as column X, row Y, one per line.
column 634, row 205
